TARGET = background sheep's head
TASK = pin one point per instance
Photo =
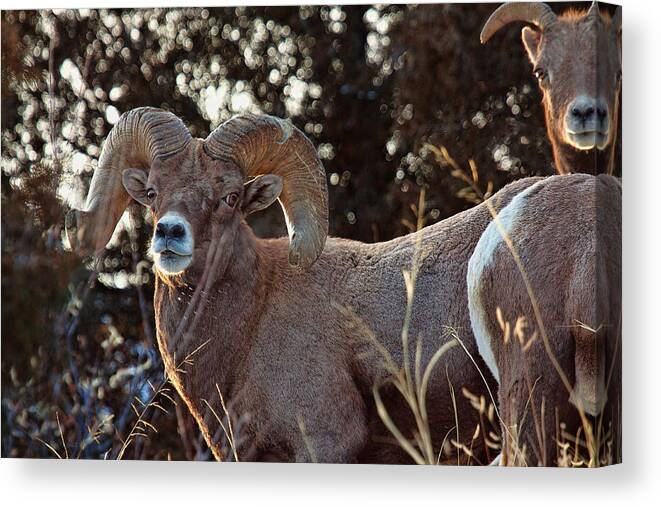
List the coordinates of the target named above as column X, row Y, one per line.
column 576, row 58
column 198, row 190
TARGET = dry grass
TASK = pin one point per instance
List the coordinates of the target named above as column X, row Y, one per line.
column 142, row 427
column 225, row 424
column 410, row 379
column 592, row 445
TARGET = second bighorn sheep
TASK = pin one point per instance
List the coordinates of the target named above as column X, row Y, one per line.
column 566, row 359
column 271, row 319
column 577, row 59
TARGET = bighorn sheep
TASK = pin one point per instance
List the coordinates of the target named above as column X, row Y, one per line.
column 577, row 61
column 566, row 283
column 281, row 344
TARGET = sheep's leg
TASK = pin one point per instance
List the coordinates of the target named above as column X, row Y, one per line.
column 332, row 447
column 334, row 431
column 533, row 414
column 519, row 420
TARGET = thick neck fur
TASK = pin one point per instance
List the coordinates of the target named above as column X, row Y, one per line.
column 223, row 314
column 568, row 159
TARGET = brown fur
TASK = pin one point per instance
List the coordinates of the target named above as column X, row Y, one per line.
column 281, row 347
column 567, row 232
column 578, row 56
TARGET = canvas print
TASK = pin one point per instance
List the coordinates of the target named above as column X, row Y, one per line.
column 379, row 234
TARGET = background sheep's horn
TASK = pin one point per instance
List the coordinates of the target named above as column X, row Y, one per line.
column 265, row 144
column 538, row 14
column 140, row 136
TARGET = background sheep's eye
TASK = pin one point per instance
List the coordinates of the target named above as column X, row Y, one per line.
column 151, row 194
column 231, row 199
column 539, row 74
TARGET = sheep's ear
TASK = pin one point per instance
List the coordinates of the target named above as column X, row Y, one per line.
column 135, row 183
column 261, row 192
column 531, row 39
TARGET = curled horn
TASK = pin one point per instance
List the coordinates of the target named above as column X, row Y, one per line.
column 268, row 145
column 535, row 13
column 140, row 137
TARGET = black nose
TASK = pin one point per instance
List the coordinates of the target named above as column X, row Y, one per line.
column 585, row 110
column 168, row 230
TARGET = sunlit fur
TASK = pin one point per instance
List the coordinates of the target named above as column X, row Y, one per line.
column 576, row 57
column 285, row 328
column 566, row 230
column 285, row 345
column 580, row 56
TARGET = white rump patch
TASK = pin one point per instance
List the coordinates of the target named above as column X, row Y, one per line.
column 481, row 259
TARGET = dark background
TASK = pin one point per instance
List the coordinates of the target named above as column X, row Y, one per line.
column 371, row 86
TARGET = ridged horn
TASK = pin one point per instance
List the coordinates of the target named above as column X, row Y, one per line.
column 140, row 137
column 268, row 145
column 535, row 13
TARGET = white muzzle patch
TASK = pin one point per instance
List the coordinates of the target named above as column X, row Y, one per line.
column 172, row 244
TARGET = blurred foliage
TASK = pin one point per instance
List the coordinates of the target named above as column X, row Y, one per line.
column 370, row 85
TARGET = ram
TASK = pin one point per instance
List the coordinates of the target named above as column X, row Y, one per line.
column 279, row 326
column 577, row 59
column 544, row 293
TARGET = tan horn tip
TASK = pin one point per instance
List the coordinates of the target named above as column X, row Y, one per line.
column 77, row 233
column 294, row 258
column 71, row 228
column 302, row 252
column 287, row 130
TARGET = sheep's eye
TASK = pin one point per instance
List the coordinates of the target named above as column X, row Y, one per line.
column 539, row 74
column 151, row 194
column 231, row 199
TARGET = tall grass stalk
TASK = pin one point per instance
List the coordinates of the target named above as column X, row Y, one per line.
column 410, row 380
column 592, row 442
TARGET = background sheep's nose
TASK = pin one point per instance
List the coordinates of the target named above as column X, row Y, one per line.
column 170, row 230
column 585, row 109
